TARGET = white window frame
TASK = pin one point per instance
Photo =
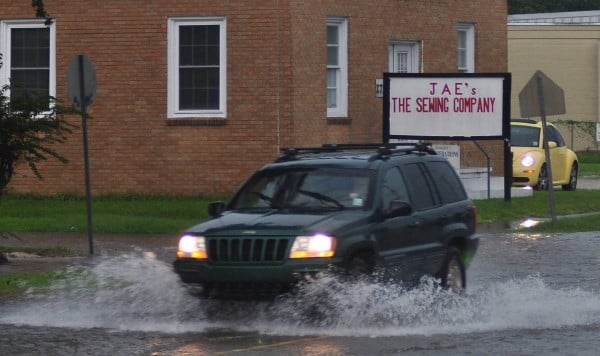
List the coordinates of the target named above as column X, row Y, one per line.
column 412, row 48
column 341, row 110
column 173, row 24
column 469, row 50
column 5, row 44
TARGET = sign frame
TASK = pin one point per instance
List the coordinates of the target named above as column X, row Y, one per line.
column 506, row 79
column 505, row 105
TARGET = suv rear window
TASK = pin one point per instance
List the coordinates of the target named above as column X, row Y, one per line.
column 447, row 182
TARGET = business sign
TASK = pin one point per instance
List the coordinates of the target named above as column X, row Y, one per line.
column 456, row 106
column 451, row 152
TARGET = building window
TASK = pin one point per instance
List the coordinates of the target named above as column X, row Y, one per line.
column 404, row 57
column 337, row 67
column 28, row 50
column 197, row 67
column 466, row 48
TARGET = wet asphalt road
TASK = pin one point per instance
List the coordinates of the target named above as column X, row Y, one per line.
column 527, row 295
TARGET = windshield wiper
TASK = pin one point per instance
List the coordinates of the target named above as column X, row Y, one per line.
column 321, row 197
column 268, row 199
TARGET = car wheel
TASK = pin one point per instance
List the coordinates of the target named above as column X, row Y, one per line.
column 572, row 179
column 453, row 275
column 542, row 183
column 361, row 265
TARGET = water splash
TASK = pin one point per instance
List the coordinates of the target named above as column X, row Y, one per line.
column 140, row 293
column 128, row 292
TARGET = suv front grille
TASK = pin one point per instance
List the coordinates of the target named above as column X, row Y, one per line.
column 257, row 250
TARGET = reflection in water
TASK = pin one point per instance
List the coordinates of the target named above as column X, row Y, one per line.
column 138, row 292
column 529, row 223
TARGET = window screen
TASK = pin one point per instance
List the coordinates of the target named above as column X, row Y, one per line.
column 199, row 67
column 30, row 62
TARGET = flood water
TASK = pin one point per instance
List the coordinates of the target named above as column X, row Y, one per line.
column 527, row 294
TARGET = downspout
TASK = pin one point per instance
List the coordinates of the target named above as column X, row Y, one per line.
column 598, row 96
column 278, row 128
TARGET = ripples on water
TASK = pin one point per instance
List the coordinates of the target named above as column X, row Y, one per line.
column 140, row 293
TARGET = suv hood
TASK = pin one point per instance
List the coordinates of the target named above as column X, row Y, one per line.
column 279, row 222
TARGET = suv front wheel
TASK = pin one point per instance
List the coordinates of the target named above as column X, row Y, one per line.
column 361, row 264
column 452, row 275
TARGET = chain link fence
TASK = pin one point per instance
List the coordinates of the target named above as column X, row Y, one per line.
column 579, row 135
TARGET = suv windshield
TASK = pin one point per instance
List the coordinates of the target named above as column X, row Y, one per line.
column 314, row 188
column 524, row 136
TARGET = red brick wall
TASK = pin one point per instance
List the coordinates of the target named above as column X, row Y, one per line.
column 275, row 83
column 371, row 26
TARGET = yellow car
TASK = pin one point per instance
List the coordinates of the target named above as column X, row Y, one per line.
column 529, row 158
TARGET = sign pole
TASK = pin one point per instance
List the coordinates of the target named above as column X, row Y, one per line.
column 546, row 148
column 86, row 160
column 81, row 89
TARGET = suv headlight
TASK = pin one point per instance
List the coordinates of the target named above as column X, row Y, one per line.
column 192, row 247
column 317, row 245
column 527, row 160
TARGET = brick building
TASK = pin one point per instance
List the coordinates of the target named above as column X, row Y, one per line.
column 193, row 95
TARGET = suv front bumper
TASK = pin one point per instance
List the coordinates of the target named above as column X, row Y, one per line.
column 292, row 271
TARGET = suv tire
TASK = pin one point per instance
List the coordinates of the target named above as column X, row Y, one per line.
column 453, row 276
column 361, row 264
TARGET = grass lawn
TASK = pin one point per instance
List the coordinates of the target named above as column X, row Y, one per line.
column 138, row 214
column 17, row 283
column 538, row 206
column 148, row 214
column 38, row 282
column 589, row 164
column 119, row 214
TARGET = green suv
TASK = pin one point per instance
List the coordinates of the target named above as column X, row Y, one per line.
column 398, row 209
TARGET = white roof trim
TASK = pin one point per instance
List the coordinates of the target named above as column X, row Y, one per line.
column 557, row 18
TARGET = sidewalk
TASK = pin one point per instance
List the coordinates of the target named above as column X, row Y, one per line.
column 477, row 187
column 103, row 244
column 163, row 246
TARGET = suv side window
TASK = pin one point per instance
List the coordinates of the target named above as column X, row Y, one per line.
column 447, row 182
column 393, row 188
column 420, row 189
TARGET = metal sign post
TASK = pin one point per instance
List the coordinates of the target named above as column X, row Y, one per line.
column 81, row 89
column 546, row 149
column 541, row 97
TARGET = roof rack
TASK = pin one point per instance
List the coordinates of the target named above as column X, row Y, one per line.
column 384, row 150
column 527, row 121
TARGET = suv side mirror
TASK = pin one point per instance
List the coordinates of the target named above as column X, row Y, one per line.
column 216, row 208
column 397, row 208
